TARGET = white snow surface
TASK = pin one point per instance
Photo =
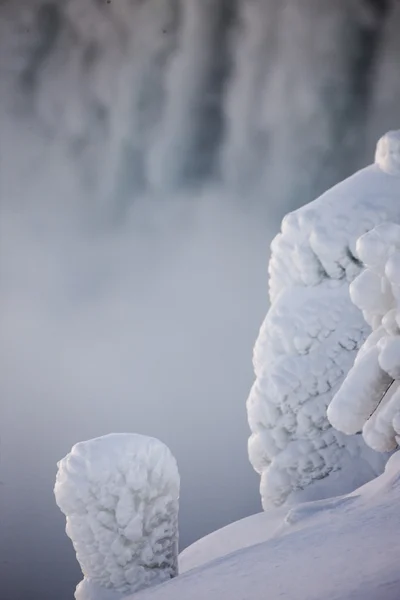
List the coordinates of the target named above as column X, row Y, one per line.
column 311, row 335
column 242, row 534
column 120, row 495
column 369, row 398
column 343, row 548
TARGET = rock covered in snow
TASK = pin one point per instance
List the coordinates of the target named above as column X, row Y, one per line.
column 369, row 398
column 120, row 495
column 312, row 332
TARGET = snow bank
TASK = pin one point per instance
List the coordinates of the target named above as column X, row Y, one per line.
column 312, row 332
column 330, row 549
column 120, row 496
column 369, row 398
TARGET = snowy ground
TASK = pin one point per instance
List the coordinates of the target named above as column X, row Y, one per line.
column 344, row 548
column 242, row 534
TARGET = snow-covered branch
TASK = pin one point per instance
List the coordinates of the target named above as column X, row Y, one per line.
column 369, row 399
column 120, row 495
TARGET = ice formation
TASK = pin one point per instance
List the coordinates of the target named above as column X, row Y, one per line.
column 369, row 398
column 311, row 335
column 120, row 495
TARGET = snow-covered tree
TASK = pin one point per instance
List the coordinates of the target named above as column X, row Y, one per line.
column 369, row 398
column 120, row 495
column 311, row 334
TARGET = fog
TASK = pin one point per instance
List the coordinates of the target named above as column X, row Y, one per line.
column 148, row 151
column 147, row 328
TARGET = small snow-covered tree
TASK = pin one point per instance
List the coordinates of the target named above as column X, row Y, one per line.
column 311, row 335
column 120, row 495
column 369, row 398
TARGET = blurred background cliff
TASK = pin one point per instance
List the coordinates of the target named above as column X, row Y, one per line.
column 274, row 100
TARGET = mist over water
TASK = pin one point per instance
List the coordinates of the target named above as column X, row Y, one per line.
column 149, row 329
column 148, row 151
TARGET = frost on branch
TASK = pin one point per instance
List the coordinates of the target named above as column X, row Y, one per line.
column 311, row 336
column 120, row 496
column 369, row 399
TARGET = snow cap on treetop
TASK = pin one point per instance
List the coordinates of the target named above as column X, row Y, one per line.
column 387, row 155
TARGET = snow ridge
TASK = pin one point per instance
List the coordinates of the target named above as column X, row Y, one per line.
column 311, row 335
column 120, row 496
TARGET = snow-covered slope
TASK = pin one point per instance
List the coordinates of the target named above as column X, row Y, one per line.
column 242, row 534
column 311, row 334
column 343, row 548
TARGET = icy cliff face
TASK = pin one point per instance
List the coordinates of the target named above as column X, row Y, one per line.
column 312, row 332
column 131, row 97
column 120, row 496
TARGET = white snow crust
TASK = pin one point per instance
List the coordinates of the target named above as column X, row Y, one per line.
column 327, row 549
column 369, row 398
column 120, row 495
column 312, row 332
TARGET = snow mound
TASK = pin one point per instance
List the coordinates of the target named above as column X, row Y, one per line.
column 312, row 333
column 335, row 548
column 120, row 495
column 369, row 398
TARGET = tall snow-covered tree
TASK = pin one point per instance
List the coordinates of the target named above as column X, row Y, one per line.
column 311, row 335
